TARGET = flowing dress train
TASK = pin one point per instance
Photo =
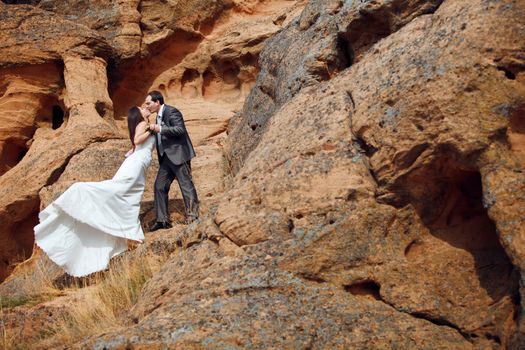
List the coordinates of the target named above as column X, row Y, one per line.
column 91, row 221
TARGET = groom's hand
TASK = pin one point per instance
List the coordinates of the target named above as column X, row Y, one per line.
column 154, row 128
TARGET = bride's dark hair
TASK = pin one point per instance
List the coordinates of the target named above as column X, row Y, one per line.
column 134, row 119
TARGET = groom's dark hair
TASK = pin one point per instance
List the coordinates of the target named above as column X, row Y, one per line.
column 156, row 96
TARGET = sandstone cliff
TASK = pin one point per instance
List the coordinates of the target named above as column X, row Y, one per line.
column 360, row 166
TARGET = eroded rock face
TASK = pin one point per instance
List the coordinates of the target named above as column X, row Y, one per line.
column 375, row 182
column 90, row 119
column 208, row 63
column 55, row 99
column 376, row 191
column 33, row 36
column 221, row 301
column 55, row 89
column 34, row 45
column 337, row 34
column 30, row 100
column 116, row 21
column 439, row 144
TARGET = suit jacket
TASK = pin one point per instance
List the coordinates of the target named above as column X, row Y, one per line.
column 174, row 137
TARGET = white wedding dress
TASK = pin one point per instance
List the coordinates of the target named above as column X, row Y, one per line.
column 91, row 221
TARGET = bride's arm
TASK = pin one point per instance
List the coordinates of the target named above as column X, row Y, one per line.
column 141, row 133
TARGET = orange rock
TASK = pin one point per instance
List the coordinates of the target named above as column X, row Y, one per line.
column 372, row 192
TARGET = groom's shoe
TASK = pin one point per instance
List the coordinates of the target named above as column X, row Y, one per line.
column 160, row 225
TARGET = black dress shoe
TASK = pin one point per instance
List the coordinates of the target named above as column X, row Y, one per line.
column 159, row 226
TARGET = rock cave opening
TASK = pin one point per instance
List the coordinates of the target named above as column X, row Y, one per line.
column 222, row 81
column 19, row 242
column 50, row 113
column 13, row 152
column 345, row 49
column 103, row 110
column 250, row 59
column 448, row 198
column 188, row 86
column 230, row 75
column 463, row 222
column 516, row 130
column 365, row 288
column 57, row 117
column 365, row 32
column 509, row 74
column 24, row 235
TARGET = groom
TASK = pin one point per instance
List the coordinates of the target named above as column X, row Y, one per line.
column 175, row 151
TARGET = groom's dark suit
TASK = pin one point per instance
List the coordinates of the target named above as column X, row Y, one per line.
column 175, row 150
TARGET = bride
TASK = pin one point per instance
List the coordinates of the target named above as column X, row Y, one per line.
column 91, row 221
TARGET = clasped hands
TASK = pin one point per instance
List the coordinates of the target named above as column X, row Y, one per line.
column 153, row 128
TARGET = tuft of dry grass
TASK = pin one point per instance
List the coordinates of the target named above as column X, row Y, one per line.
column 6, row 336
column 11, row 302
column 103, row 305
column 33, row 283
column 35, row 287
column 87, row 307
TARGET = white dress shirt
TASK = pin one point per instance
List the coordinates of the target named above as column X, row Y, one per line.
column 159, row 122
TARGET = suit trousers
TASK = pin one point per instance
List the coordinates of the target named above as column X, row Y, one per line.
column 167, row 173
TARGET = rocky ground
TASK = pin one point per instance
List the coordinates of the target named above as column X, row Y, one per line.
column 360, row 166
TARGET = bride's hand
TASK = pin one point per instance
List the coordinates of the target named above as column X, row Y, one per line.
column 130, row 152
column 154, row 127
column 150, row 130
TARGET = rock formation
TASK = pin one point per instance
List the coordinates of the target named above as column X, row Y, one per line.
column 361, row 176
column 47, row 83
column 55, row 103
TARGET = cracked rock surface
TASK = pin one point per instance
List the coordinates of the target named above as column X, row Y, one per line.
column 371, row 167
column 371, row 187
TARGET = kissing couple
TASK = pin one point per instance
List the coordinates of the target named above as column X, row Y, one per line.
column 91, row 221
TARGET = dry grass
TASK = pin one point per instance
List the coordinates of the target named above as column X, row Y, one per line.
column 94, row 305
column 36, row 287
column 103, row 305
column 34, row 283
column 7, row 338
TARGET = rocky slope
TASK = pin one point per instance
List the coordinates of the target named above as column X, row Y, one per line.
column 57, row 99
column 371, row 193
